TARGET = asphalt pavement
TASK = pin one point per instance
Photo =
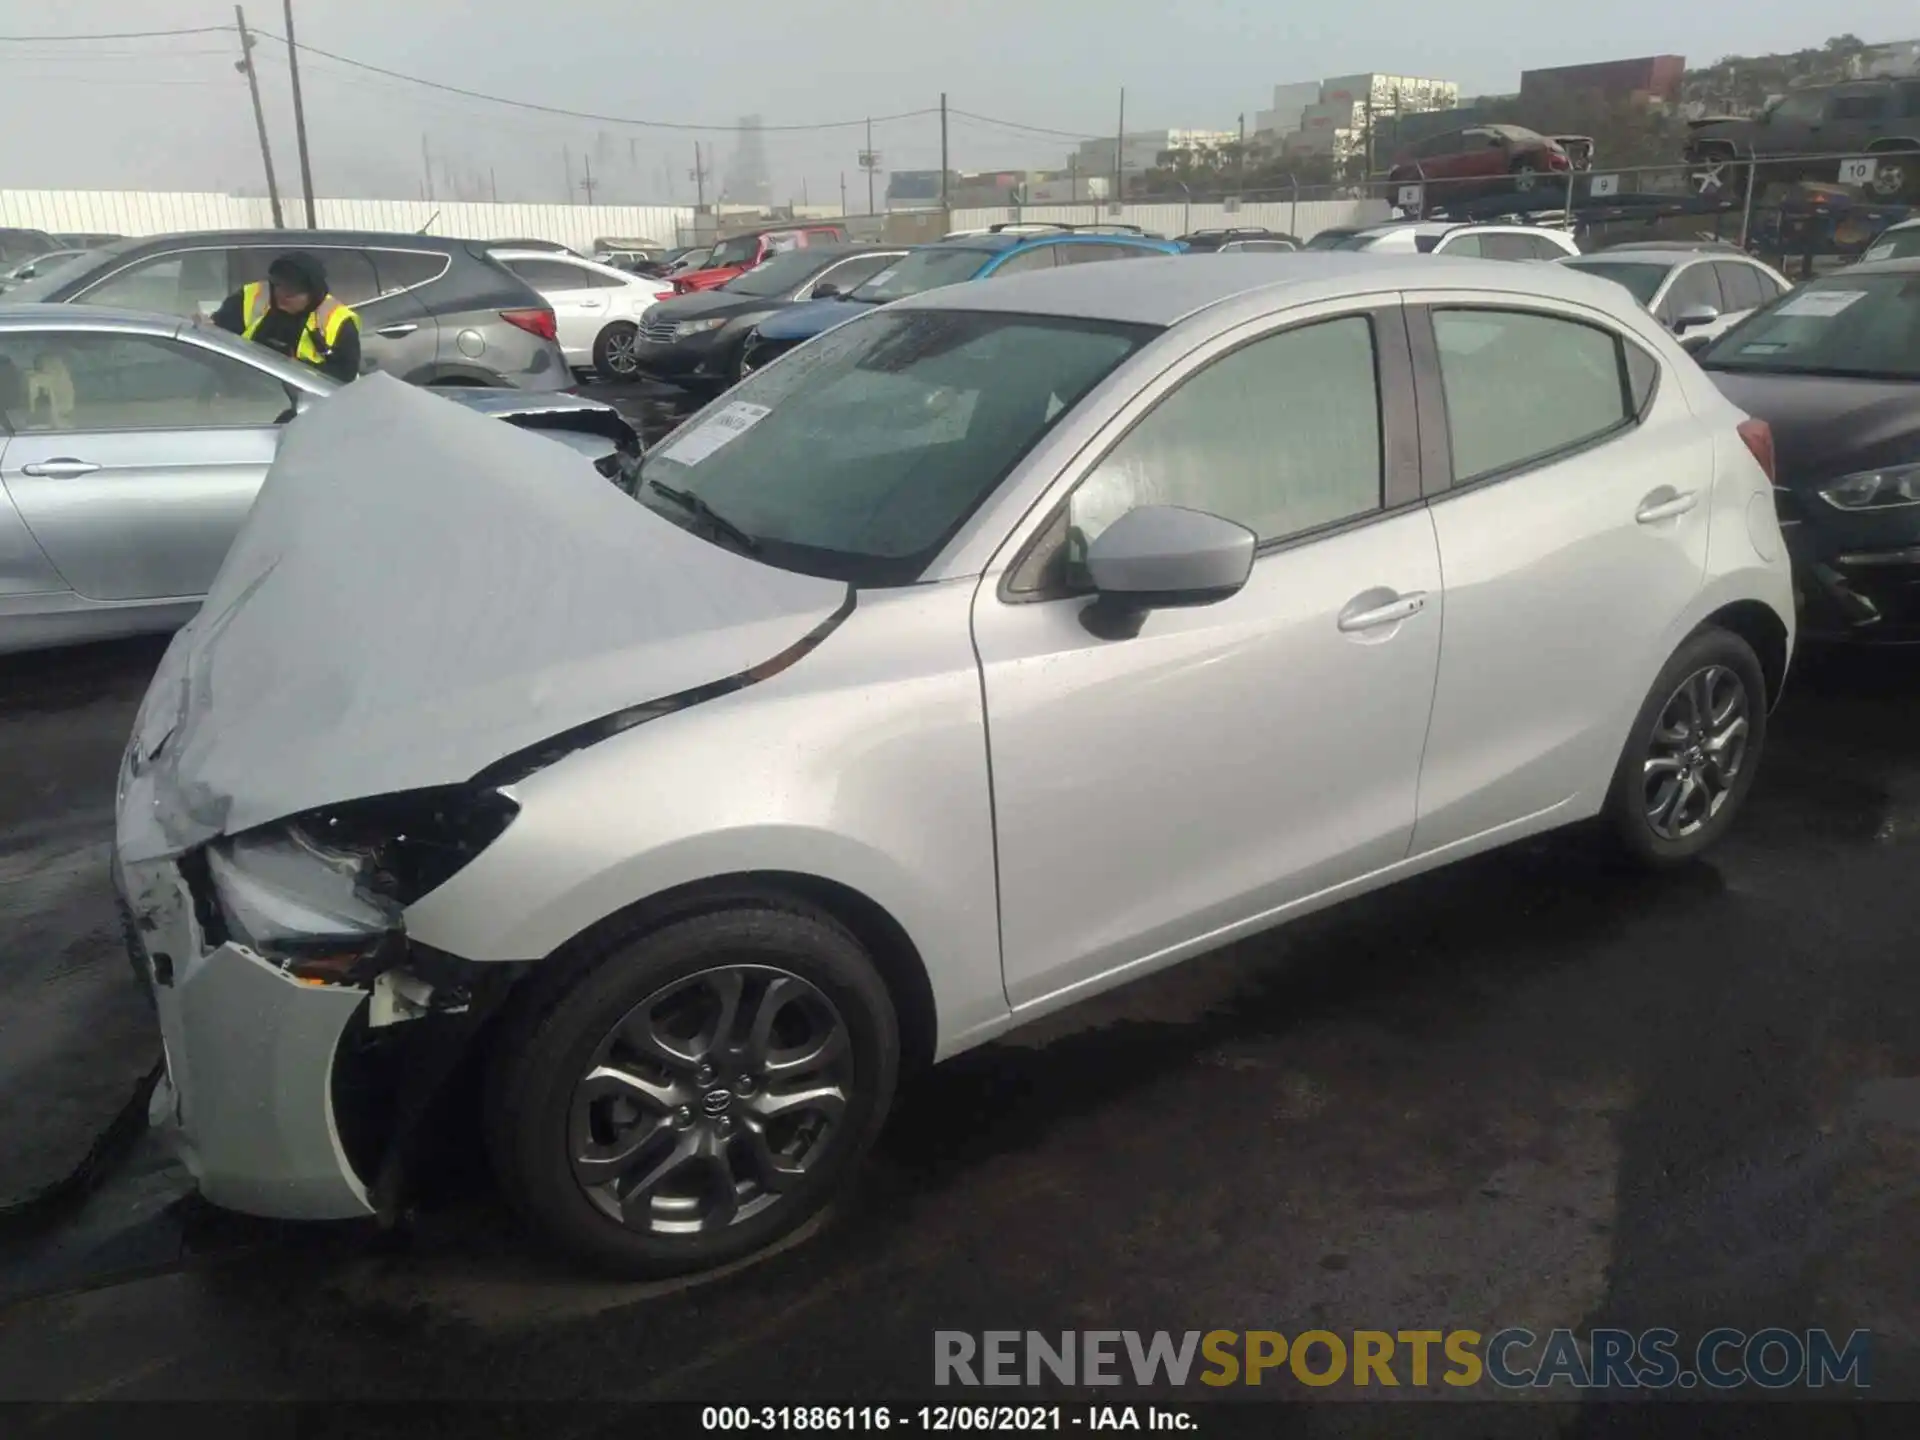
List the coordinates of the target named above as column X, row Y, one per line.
column 1528, row 1090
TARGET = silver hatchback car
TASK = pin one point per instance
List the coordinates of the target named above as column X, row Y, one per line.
column 990, row 650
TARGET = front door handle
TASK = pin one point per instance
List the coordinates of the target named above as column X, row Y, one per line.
column 591, row 304
column 394, row 332
column 1404, row 607
column 1665, row 504
column 65, row 467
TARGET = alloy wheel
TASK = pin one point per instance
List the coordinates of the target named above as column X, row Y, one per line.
column 711, row 1100
column 1524, row 177
column 1889, row 179
column 1695, row 755
column 623, row 357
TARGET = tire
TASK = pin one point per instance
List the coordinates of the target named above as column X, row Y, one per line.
column 614, row 355
column 1896, row 178
column 1525, row 176
column 1667, row 732
column 560, row 1121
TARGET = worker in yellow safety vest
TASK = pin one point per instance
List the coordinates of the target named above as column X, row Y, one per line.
column 292, row 313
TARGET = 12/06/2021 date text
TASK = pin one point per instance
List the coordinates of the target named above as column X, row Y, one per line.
column 937, row 1419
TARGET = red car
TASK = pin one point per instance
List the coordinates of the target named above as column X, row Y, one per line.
column 1483, row 160
column 740, row 253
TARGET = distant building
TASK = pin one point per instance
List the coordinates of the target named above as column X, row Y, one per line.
column 1284, row 118
column 913, row 189
column 1335, row 118
column 1651, row 77
column 1141, row 150
column 1390, row 94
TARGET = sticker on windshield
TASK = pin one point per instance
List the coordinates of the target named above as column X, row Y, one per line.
column 1823, row 303
column 716, row 430
column 1880, row 252
column 884, row 276
column 1762, row 348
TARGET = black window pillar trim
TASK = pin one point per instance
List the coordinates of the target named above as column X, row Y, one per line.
column 1436, row 439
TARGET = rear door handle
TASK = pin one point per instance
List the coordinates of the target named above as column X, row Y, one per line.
column 1665, row 504
column 591, row 304
column 1391, row 613
column 394, row 332
column 63, row 468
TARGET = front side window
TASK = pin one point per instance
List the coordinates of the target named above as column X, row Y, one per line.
column 1521, row 387
column 75, row 381
column 1693, row 288
column 1470, row 246
column 850, row 275
column 1739, row 285
column 1800, row 109
column 862, row 453
column 350, row 275
column 1040, row 257
column 741, row 250
column 781, row 274
column 1281, row 435
column 186, row 283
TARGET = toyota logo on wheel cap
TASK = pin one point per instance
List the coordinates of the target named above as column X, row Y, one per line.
column 715, row 1102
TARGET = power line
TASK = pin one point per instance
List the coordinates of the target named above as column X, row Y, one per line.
column 116, row 35
column 1030, row 129
column 587, row 114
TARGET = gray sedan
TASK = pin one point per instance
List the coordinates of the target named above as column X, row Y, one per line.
column 131, row 446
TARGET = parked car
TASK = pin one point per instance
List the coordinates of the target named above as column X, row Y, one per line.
column 698, row 339
column 1697, row 293
column 19, row 245
column 685, row 260
column 740, row 253
column 432, row 311
column 1871, row 117
column 1203, row 240
column 1480, row 160
column 1896, row 242
column 586, row 297
column 1834, row 369
column 1442, row 237
column 131, row 446
column 1028, row 639
column 1277, row 245
column 929, row 267
column 85, row 239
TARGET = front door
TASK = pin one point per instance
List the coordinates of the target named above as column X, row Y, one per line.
column 1573, row 535
column 1151, row 792
column 135, row 458
column 397, row 335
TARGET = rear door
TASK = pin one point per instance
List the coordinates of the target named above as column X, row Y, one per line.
column 398, row 332
column 135, row 458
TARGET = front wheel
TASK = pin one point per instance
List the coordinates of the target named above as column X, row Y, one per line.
column 1690, row 759
column 616, row 351
column 698, row 1092
column 1895, row 177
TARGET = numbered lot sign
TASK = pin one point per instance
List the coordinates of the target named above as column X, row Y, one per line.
column 1605, row 185
column 1409, row 197
column 1857, row 172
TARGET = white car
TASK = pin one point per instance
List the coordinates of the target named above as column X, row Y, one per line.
column 999, row 646
column 1443, row 237
column 586, row 296
column 1896, row 242
column 1699, row 292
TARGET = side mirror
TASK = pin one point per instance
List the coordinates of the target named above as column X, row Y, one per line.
column 826, row 290
column 1161, row 556
column 1693, row 317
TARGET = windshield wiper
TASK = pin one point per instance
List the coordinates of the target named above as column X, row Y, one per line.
column 694, row 505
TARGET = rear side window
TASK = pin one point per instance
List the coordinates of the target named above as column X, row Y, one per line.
column 1471, row 246
column 1860, row 107
column 1093, row 254
column 403, row 269
column 545, row 275
column 1522, row 387
column 1506, row 247
column 1692, row 287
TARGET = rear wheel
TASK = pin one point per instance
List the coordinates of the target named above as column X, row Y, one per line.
column 1690, row 759
column 616, row 351
column 1525, row 174
column 698, row 1093
column 1896, row 177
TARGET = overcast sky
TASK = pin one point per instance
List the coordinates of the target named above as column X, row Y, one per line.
column 173, row 114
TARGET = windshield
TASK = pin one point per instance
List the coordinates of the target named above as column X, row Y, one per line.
column 859, row 456
column 922, row 270
column 1847, row 324
column 779, row 275
column 48, row 278
column 1640, row 277
column 1895, row 245
column 741, row 250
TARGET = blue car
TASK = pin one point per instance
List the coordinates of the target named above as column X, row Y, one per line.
column 928, row 267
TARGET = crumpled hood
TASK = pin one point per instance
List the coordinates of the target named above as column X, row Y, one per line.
column 419, row 592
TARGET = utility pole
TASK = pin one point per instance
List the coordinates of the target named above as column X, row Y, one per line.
column 426, row 163
column 943, row 150
column 589, row 183
column 299, row 114
column 1120, row 153
column 843, row 192
column 1241, row 183
column 245, row 66
column 866, row 162
column 493, row 185
column 1073, row 178
column 699, row 180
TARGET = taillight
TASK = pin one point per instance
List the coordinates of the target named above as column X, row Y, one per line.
column 1759, row 437
column 665, row 294
column 534, row 322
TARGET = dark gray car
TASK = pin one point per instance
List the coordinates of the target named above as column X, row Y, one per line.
column 432, row 311
column 1862, row 117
